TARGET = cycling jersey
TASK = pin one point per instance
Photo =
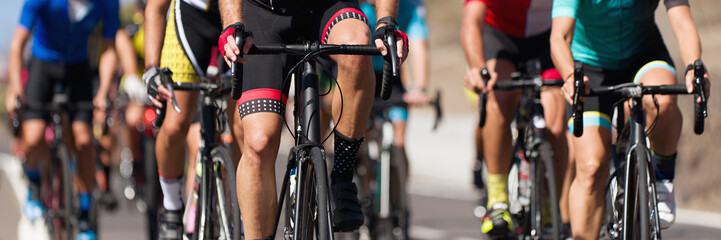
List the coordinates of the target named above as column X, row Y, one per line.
column 190, row 37
column 411, row 20
column 518, row 18
column 611, row 34
column 61, row 27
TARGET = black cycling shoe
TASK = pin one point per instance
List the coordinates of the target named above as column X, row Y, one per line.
column 347, row 213
column 171, row 225
column 108, row 201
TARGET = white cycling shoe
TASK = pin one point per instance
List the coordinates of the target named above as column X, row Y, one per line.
column 666, row 203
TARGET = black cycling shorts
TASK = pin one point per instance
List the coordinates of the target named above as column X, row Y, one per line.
column 44, row 77
column 497, row 44
column 598, row 110
column 265, row 87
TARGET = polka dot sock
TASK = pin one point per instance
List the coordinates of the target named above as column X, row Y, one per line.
column 346, row 157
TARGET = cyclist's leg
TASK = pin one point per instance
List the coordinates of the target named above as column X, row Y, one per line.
column 262, row 125
column 587, row 190
column 666, row 122
column 592, row 154
column 133, row 118
column 356, row 82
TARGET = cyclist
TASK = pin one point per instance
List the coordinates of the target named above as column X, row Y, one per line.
column 60, row 31
column 186, row 43
column 619, row 42
column 335, row 22
column 500, row 35
column 411, row 20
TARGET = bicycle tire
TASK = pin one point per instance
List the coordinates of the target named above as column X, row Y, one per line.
column 324, row 221
column 643, row 202
column 69, row 211
column 629, row 198
column 203, row 216
column 399, row 201
column 151, row 189
column 227, row 178
column 303, row 222
column 550, row 178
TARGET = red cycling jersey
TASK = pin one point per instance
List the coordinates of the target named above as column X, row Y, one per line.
column 518, row 18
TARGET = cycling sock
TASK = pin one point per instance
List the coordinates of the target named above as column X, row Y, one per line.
column 497, row 185
column 665, row 166
column 172, row 192
column 346, row 157
column 33, row 176
column 85, row 202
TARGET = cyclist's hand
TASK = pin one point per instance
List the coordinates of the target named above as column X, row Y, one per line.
column 134, row 87
column 157, row 93
column 569, row 89
column 227, row 46
column 474, row 80
column 401, row 42
column 416, row 97
column 707, row 84
column 10, row 100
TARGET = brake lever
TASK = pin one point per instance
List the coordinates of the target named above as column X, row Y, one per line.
column 166, row 73
column 390, row 40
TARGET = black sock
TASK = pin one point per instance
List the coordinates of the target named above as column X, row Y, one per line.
column 665, row 166
column 346, row 157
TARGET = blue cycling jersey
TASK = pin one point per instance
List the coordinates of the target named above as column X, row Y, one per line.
column 411, row 20
column 61, row 28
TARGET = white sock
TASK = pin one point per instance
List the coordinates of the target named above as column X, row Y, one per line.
column 172, row 192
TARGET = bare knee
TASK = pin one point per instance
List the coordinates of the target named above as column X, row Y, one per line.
column 591, row 172
column 259, row 147
column 175, row 129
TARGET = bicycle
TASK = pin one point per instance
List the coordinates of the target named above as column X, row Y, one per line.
column 59, row 199
column 386, row 205
column 536, row 188
column 636, row 216
column 305, row 184
column 139, row 177
column 217, row 213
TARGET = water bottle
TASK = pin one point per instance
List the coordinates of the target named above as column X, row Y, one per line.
column 524, row 180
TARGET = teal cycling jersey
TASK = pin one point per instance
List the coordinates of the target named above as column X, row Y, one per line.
column 411, row 20
column 610, row 34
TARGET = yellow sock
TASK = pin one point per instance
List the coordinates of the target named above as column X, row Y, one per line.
column 497, row 185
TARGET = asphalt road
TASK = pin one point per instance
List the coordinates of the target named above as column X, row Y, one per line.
column 441, row 193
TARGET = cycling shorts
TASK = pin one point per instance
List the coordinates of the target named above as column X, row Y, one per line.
column 497, row 44
column 265, row 87
column 44, row 76
column 190, row 37
column 599, row 109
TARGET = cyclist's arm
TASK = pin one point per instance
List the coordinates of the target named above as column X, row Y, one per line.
column 688, row 39
column 106, row 72
column 685, row 31
column 126, row 53
column 561, row 37
column 474, row 14
column 418, row 44
column 15, row 61
column 155, row 12
column 108, row 58
column 231, row 11
column 28, row 17
column 419, row 61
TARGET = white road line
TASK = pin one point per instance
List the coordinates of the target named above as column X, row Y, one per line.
column 11, row 176
column 698, row 218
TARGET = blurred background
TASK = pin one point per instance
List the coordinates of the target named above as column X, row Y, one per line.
column 441, row 160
